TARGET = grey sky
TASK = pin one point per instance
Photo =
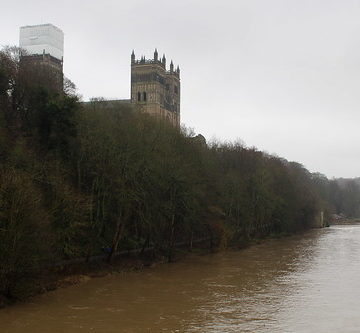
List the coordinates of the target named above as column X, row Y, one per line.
column 282, row 75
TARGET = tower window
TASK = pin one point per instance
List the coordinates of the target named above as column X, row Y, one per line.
column 144, row 95
column 176, row 89
column 139, row 96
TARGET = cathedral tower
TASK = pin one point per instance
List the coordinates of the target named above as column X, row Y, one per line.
column 43, row 46
column 156, row 89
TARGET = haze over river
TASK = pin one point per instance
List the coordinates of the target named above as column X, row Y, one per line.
column 308, row 283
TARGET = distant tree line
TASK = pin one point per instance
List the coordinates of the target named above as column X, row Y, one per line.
column 342, row 195
column 78, row 181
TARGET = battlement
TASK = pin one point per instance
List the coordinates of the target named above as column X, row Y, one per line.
column 156, row 61
column 148, row 61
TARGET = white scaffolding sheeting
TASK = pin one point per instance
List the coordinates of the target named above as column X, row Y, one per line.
column 38, row 39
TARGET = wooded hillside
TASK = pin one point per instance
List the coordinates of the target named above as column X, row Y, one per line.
column 79, row 181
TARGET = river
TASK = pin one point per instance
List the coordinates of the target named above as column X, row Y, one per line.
column 308, row 283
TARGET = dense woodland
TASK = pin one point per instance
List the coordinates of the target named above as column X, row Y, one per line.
column 81, row 180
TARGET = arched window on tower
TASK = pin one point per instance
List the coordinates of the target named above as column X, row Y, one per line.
column 139, row 96
column 144, row 95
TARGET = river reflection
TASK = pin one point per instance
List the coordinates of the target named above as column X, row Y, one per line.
column 308, row 283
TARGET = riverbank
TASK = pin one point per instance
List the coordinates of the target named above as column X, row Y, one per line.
column 78, row 272
column 62, row 276
column 345, row 221
column 65, row 274
column 272, row 286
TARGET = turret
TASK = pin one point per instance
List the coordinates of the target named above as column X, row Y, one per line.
column 164, row 60
column 156, row 55
column 133, row 57
column 171, row 67
column 178, row 70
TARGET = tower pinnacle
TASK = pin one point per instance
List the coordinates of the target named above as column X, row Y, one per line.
column 171, row 66
column 156, row 55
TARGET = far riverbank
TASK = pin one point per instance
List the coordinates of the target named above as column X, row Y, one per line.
column 75, row 272
column 280, row 285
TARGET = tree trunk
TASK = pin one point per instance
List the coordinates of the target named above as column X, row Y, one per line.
column 211, row 237
column 171, row 239
column 191, row 241
column 145, row 245
column 116, row 240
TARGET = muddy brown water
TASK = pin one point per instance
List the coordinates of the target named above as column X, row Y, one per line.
column 308, row 283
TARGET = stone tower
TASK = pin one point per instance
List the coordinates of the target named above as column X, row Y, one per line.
column 156, row 89
column 43, row 46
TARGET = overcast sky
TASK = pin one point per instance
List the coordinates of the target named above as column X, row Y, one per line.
column 281, row 75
